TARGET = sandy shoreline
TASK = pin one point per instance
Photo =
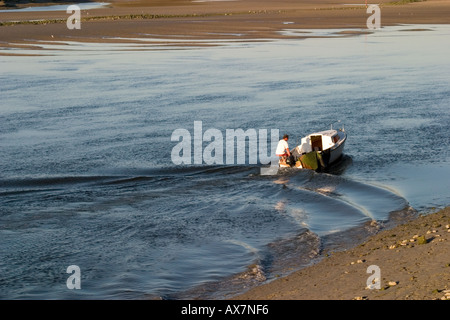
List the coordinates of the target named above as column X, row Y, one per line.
column 413, row 261
column 239, row 20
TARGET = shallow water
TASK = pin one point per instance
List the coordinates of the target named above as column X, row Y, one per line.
column 58, row 7
column 87, row 178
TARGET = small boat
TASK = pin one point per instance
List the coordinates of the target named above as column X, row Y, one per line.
column 318, row 150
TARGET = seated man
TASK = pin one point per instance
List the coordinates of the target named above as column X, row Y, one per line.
column 283, row 150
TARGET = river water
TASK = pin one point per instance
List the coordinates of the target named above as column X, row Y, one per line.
column 87, row 176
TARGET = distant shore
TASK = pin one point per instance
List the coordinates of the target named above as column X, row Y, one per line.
column 408, row 262
column 123, row 21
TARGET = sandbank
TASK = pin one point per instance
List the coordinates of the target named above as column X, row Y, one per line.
column 412, row 262
column 124, row 21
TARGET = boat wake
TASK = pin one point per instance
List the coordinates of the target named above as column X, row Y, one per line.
column 218, row 230
column 330, row 212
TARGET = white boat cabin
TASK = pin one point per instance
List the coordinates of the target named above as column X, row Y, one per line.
column 318, row 141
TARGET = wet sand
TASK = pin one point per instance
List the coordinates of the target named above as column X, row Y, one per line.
column 189, row 20
column 413, row 261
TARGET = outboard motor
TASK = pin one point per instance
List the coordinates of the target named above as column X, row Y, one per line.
column 290, row 160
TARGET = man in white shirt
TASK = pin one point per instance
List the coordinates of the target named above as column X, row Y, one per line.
column 283, row 149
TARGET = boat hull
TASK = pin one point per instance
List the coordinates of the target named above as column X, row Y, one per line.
column 324, row 158
column 337, row 151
